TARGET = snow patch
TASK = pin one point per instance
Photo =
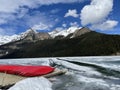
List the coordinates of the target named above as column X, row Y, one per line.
column 6, row 39
column 37, row 83
column 64, row 33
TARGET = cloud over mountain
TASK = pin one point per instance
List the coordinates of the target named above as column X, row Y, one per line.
column 17, row 16
column 97, row 11
column 96, row 15
column 107, row 25
column 72, row 13
column 15, row 5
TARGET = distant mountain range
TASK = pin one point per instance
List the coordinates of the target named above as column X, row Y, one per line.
column 34, row 35
column 59, row 43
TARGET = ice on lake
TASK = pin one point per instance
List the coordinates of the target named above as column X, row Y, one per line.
column 83, row 73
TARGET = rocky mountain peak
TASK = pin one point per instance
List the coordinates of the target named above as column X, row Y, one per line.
column 81, row 31
column 34, row 35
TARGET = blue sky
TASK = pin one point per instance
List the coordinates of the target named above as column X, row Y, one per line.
column 17, row 16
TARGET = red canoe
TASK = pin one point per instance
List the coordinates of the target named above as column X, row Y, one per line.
column 27, row 71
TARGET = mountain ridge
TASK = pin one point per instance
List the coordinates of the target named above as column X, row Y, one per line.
column 31, row 34
column 85, row 43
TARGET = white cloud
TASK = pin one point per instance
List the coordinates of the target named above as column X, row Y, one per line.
column 10, row 6
column 14, row 5
column 72, row 13
column 39, row 19
column 48, row 2
column 22, row 12
column 7, row 31
column 56, row 20
column 41, row 26
column 59, row 29
column 17, row 6
column 5, row 17
column 96, row 12
column 64, row 25
column 107, row 25
column 2, row 21
column 12, row 10
column 74, row 24
column 96, row 15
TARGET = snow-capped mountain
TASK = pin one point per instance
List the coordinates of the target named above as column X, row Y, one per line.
column 75, row 42
column 33, row 35
column 64, row 33
column 6, row 39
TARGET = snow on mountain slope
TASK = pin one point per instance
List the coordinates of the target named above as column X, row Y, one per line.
column 6, row 39
column 63, row 32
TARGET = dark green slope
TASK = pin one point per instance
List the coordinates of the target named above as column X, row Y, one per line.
column 89, row 44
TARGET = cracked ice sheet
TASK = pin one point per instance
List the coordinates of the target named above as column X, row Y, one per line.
column 26, row 61
column 84, row 83
column 83, row 69
column 106, row 62
column 72, row 81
